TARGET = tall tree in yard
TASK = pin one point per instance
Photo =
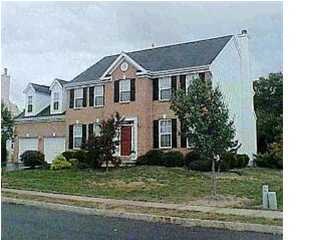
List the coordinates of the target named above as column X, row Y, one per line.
column 206, row 121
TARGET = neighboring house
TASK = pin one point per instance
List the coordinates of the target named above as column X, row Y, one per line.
column 139, row 86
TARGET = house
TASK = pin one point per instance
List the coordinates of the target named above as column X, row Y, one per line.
column 138, row 85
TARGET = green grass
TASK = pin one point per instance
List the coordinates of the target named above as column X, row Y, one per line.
column 147, row 183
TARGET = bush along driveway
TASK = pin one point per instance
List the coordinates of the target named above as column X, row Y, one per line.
column 151, row 183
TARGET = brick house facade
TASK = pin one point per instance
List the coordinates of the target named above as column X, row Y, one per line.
column 139, row 86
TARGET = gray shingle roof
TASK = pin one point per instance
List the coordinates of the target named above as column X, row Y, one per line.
column 41, row 88
column 183, row 55
column 61, row 81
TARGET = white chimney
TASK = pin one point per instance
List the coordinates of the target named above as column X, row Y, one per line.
column 5, row 86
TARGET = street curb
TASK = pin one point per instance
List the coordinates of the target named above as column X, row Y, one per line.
column 118, row 202
column 152, row 218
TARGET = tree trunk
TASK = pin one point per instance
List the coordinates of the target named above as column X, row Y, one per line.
column 214, row 180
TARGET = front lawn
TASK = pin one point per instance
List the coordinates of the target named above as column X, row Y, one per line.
column 147, row 183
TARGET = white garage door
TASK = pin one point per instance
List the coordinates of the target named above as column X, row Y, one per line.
column 26, row 144
column 52, row 147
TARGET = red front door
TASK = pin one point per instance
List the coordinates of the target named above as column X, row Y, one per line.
column 125, row 140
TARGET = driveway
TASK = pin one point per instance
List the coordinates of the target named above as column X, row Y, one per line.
column 26, row 222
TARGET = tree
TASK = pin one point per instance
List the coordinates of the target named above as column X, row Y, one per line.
column 268, row 104
column 206, row 122
column 103, row 148
column 7, row 123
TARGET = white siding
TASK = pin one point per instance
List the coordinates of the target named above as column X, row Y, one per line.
column 231, row 72
column 57, row 88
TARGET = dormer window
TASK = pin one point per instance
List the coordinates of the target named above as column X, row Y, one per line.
column 78, row 97
column 164, row 89
column 125, row 90
column 55, row 101
column 29, row 104
column 98, row 96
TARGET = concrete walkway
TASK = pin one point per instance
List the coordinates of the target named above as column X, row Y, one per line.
column 114, row 202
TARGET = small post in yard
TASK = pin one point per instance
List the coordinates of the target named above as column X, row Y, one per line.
column 265, row 190
column 272, row 200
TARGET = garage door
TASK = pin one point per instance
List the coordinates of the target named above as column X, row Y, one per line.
column 26, row 144
column 53, row 147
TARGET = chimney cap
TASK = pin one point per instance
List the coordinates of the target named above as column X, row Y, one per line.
column 153, row 45
column 244, row 31
column 5, row 71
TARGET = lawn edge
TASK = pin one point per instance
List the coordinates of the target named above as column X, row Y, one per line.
column 235, row 226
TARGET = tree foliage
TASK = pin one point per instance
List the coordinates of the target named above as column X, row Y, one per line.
column 103, row 148
column 206, row 120
column 268, row 104
column 6, row 129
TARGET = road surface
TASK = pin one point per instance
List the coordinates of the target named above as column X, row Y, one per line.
column 27, row 222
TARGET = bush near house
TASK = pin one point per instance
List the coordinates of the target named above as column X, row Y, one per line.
column 84, row 161
column 230, row 160
column 160, row 158
column 33, row 158
column 60, row 162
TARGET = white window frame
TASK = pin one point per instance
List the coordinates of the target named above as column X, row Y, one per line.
column 56, row 100
column 77, row 136
column 161, row 88
column 96, row 133
column 95, row 94
column 78, row 94
column 165, row 133
column 124, row 90
column 190, row 78
column 30, row 103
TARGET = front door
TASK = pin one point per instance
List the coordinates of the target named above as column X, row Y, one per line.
column 125, row 140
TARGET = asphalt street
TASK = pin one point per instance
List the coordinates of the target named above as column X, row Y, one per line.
column 26, row 222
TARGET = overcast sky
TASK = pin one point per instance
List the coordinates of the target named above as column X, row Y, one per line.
column 41, row 41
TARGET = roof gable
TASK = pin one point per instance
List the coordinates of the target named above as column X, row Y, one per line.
column 183, row 55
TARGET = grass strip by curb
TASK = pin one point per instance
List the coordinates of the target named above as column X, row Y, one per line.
column 153, row 211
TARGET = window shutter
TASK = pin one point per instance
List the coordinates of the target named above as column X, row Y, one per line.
column 133, row 90
column 202, row 76
column 84, row 134
column 90, row 130
column 183, row 135
column 155, row 134
column 183, row 82
column 104, row 89
column 116, row 91
column 173, row 85
column 85, row 90
column 91, row 96
column 155, row 89
column 174, row 133
column 71, row 99
column 70, row 136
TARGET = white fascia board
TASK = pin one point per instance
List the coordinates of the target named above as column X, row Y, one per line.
column 27, row 88
column 53, row 83
column 116, row 63
column 177, row 71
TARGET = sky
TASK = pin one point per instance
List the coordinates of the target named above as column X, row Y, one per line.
column 41, row 41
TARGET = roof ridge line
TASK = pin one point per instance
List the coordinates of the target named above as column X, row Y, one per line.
column 180, row 43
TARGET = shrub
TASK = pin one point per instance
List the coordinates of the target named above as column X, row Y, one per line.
column 74, row 162
column 191, row 157
column 4, row 153
column 273, row 158
column 201, row 165
column 153, row 157
column 81, row 155
column 60, row 162
column 172, row 159
column 33, row 158
column 243, row 160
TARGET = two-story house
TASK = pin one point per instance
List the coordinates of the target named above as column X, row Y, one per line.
column 138, row 85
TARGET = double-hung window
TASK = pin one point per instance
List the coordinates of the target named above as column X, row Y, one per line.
column 189, row 79
column 29, row 104
column 78, row 98
column 77, row 136
column 125, row 90
column 96, row 130
column 98, row 96
column 164, row 89
column 55, row 101
column 165, row 133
